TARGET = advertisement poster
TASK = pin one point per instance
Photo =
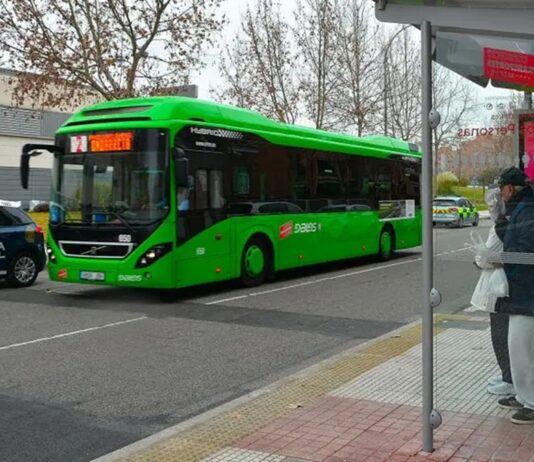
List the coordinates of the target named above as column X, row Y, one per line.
column 528, row 159
column 388, row 210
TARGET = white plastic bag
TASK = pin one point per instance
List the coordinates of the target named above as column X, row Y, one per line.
column 498, row 287
column 491, row 286
column 492, row 283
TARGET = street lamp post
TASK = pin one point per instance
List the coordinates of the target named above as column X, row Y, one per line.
column 386, row 84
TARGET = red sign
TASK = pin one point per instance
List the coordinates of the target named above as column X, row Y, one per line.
column 62, row 274
column 109, row 142
column 286, row 230
column 528, row 160
column 509, row 66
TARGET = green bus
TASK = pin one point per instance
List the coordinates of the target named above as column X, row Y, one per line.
column 169, row 192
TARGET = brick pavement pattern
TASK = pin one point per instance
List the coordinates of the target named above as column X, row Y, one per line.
column 365, row 406
column 343, row 429
column 376, row 417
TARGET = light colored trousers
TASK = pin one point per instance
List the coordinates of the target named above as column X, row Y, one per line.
column 521, row 348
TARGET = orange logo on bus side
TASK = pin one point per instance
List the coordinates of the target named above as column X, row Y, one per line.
column 286, row 230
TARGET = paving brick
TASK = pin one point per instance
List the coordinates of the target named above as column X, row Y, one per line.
column 376, row 417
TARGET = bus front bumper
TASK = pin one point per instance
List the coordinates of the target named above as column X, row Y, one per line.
column 111, row 273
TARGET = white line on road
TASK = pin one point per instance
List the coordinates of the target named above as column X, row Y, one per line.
column 226, row 299
column 68, row 334
column 329, row 278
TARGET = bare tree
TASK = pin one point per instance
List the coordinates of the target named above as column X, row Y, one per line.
column 258, row 67
column 454, row 100
column 316, row 43
column 503, row 151
column 113, row 48
column 358, row 90
column 402, row 95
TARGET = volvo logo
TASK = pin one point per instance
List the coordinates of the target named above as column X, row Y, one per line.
column 93, row 250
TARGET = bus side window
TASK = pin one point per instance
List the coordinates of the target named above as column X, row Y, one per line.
column 216, row 189
column 201, row 189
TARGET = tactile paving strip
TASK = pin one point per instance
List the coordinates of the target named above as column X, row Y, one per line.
column 464, row 360
column 221, row 431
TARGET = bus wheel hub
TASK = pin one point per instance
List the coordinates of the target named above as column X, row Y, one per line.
column 254, row 260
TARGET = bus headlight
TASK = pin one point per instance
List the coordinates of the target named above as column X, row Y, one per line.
column 50, row 255
column 153, row 254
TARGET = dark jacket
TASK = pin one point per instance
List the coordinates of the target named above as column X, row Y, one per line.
column 519, row 237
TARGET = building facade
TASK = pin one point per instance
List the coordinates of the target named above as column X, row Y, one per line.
column 27, row 123
column 472, row 157
column 20, row 125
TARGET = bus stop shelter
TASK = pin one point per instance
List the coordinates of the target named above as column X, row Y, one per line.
column 484, row 41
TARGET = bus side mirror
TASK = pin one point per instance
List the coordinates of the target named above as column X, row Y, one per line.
column 24, row 170
column 31, row 150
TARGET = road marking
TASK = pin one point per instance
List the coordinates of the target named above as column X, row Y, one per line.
column 226, row 300
column 329, row 278
column 69, row 334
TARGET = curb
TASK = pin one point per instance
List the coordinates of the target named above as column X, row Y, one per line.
column 142, row 445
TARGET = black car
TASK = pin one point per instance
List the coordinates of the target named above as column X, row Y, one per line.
column 22, row 249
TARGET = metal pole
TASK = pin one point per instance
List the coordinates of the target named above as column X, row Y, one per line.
column 428, row 245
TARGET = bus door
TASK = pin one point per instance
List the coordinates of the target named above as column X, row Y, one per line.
column 201, row 206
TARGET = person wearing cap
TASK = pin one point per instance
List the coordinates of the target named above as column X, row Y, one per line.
column 518, row 259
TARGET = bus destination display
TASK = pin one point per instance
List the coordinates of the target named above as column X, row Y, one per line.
column 102, row 142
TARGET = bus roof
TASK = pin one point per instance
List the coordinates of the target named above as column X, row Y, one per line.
column 140, row 111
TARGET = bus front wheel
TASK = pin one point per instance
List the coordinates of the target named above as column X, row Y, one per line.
column 256, row 262
column 386, row 244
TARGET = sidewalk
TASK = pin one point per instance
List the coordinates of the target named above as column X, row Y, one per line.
column 361, row 406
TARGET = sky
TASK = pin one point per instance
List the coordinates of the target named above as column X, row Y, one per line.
column 488, row 98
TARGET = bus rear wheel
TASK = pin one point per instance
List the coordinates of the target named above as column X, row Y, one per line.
column 386, row 245
column 256, row 262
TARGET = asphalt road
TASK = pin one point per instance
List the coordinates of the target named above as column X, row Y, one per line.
column 87, row 370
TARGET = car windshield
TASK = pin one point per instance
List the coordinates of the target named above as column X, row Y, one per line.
column 18, row 216
column 116, row 181
column 239, row 209
column 444, row 203
column 333, row 208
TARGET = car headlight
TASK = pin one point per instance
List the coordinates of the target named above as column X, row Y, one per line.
column 153, row 254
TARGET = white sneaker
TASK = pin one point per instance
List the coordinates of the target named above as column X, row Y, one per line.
column 495, row 379
column 501, row 388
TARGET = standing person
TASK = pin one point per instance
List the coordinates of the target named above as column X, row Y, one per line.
column 518, row 261
column 492, row 284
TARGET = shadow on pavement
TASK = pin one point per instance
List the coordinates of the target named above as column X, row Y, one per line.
column 153, row 302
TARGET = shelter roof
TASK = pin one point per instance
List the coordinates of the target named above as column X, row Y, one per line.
column 466, row 33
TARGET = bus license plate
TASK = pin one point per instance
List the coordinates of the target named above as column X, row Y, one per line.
column 91, row 276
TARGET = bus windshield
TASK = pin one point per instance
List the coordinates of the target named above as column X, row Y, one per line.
column 111, row 187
